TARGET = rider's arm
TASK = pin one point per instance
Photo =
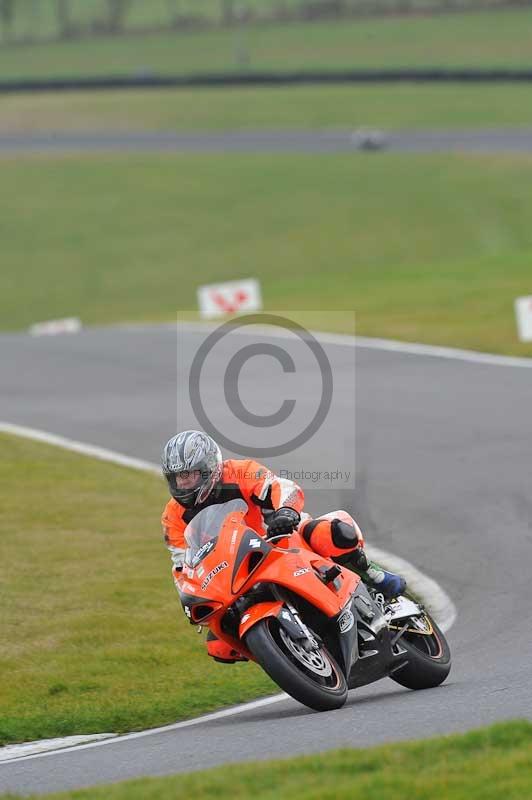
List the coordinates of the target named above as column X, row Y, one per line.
column 173, row 531
column 271, row 492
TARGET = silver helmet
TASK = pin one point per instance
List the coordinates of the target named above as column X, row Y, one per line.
column 192, row 465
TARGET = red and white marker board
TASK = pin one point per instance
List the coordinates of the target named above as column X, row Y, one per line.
column 232, row 297
column 523, row 313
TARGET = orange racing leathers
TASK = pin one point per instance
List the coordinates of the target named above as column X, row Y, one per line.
column 264, row 492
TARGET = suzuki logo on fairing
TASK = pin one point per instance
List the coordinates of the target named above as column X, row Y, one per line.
column 254, row 542
column 218, row 568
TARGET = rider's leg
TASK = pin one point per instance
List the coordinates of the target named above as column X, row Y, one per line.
column 332, row 535
column 336, row 535
column 388, row 583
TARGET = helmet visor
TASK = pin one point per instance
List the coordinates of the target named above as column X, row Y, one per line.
column 188, row 486
column 188, row 480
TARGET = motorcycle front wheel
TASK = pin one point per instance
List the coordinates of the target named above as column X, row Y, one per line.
column 429, row 658
column 310, row 676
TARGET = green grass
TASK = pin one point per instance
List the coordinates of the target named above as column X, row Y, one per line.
column 487, row 764
column 481, row 39
column 93, row 637
column 310, row 107
column 430, row 248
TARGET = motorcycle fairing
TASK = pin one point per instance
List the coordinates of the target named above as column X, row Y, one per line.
column 372, row 654
column 250, row 543
column 353, row 622
column 275, row 608
column 190, row 602
column 231, row 570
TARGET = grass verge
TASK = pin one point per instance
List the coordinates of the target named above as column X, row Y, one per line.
column 486, row 764
column 427, row 248
column 92, row 635
column 491, row 38
column 296, row 107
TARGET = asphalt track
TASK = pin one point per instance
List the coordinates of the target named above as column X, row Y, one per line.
column 443, row 462
column 406, row 141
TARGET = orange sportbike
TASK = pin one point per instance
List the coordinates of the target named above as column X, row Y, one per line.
column 311, row 624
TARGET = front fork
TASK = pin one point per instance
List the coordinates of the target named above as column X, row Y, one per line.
column 308, row 640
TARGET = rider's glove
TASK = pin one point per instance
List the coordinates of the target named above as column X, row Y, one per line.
column 283, row 521
column 177, row 554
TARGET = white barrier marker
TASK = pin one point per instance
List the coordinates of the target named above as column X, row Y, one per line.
column 53, row 327
column 523, row 313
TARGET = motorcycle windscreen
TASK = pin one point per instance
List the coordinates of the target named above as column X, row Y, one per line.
column 201, row 533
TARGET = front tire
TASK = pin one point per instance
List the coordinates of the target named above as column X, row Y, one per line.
column 429, row 659
column 311, row 677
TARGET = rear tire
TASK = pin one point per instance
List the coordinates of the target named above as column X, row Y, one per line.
column 314, row 678
column 429, row 659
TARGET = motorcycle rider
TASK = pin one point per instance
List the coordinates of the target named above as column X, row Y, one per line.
column 198, row 477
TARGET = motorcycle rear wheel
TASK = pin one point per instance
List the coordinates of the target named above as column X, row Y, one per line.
column 429, row 659
column 311, row 677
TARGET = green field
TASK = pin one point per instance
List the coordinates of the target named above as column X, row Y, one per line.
column 310, row 107
column 493, row 38
column 489, row 764
column 425, row 248
column 93, row 637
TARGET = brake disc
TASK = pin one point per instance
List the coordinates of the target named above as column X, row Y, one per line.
column 314, row 660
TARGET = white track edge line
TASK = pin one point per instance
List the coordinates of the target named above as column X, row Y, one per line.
column 93, row 451
column 340, row 340
column 13, row 752
column 347, row 340
column 117, row 739
column 435, row 597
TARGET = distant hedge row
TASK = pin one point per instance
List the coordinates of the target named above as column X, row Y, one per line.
column 37, row 20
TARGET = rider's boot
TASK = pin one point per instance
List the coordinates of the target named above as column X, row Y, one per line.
column 389, row 584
